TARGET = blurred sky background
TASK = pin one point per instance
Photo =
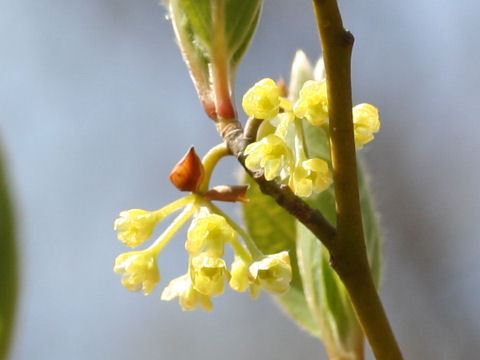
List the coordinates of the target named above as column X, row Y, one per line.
column 96, row 107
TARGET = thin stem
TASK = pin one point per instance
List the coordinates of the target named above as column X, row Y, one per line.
column 251, row 128
column 210, row 161
column 241, row 251
column 173, row 206
column 349, row 256
column 300, row 140
column 172, row 229
column 220, row 64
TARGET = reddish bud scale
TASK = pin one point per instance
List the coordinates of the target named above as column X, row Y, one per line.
column 188, row 173
column 230, row 193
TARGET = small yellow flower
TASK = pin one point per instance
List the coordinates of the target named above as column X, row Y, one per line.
column 135, row 226
column 273, row 273
column 311, row 175
column 209, row 232
column 283, row 122
column 270, row 154
column 139, row 270
column 208, row 274
column 239, row 280
column 286, row 105
column 189, row 298
column 313, row 102
column 366, row 122
column 262, row 101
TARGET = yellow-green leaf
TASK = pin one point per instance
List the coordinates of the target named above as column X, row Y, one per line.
column 8, row 265
column 274, row 230
column 213, row 34
column 325, row 293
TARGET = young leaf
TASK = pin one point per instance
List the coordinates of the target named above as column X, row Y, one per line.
column 325, row 293
column 213, row 35
column 301, row 72
column 274, row 230
column 8, row 266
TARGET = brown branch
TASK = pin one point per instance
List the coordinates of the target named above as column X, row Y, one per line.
column 349, row 255
column 311, row 218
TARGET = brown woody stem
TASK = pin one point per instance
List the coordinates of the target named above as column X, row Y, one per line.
column 311, row 218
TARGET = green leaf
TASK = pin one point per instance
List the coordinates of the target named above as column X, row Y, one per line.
column 325, row 293
column 371, row 226
column 242, row 19
column 198, row 16
column 8, row 266
column 213, row 34
column 242, row 47
column 274, row 230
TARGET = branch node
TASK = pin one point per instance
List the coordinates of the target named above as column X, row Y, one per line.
column 227, row 129
column 257, row 175
column 348, row 37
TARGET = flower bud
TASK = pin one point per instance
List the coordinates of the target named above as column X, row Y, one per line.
column 366, row 122
column 139, row 270
column 311, row 175
column 262, row 101
column 208, row 274
column 313, row 102
column 135, row 226
column 301, row 71
column 272, row 155
column 209, row 232
column 189, row 298
column 273, row 272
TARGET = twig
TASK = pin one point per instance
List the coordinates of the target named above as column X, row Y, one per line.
column 349, row 255
column 251, row 128
column 311, row 218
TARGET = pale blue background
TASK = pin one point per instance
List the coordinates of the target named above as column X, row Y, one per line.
column 96, row 107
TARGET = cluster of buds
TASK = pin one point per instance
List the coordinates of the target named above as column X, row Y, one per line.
column 209, row 232
column 281, row 154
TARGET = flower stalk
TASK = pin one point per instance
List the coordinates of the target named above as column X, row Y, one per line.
column 209, row 161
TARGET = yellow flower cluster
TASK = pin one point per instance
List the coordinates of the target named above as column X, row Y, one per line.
column 277, row 155
column 208, row 272
column 209, row 232
column 273, row 154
